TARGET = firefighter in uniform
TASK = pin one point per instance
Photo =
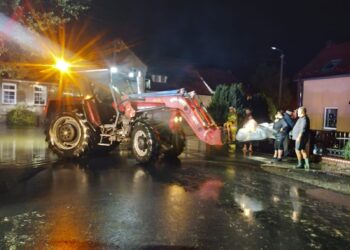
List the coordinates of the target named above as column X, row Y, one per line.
column 231, row 128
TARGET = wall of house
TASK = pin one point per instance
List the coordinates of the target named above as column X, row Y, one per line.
column 328, row 92
column 206, row 99
column 25, row 97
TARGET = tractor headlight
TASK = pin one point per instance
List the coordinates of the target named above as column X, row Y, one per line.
column 131, row 74
column 114, row 70
column 177, row 119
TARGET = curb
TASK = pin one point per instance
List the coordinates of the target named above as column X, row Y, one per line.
column 314, row 177
column 330, row 180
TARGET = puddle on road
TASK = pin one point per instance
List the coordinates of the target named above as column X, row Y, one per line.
column 21, row 147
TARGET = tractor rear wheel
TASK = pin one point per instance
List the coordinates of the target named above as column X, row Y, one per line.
column 69, row 135
column 145, row 146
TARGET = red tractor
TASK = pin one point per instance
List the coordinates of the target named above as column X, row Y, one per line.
column 111, row 108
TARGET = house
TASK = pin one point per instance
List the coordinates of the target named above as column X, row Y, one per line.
column 175, row 75
column 29, row 94
column 122, row 57
column 324, row 89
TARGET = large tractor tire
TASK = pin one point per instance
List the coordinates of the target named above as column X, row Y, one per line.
column 69, row 135
column 145, row 146
column 178, row 143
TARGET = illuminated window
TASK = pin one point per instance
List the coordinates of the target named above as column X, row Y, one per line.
column 330, row 118
column 159, row 78
column 40, row 94
column 8, row 93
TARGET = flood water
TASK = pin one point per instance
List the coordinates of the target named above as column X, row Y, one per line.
column 111, row 202
column 23, row 147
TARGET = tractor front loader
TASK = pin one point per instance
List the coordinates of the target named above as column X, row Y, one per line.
column 111, row 108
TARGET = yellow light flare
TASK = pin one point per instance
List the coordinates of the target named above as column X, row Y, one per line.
column 62, row 65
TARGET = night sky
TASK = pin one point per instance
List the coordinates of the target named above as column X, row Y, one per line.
column 232, row 34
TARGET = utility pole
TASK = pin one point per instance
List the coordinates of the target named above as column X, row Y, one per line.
column 281, row 76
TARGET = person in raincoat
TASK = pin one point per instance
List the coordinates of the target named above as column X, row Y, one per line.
column 231, row 127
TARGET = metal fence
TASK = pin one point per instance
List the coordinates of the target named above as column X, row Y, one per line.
column 329, row 143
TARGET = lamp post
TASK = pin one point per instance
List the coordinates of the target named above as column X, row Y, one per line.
column 281, row 75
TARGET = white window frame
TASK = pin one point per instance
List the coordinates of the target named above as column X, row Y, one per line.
column 324, row 118
column 43, row 92
column 3, row 90
column 159, row 78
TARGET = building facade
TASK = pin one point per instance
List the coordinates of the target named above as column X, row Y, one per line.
column 31, row 95
column 328, row 102
column 324, row 89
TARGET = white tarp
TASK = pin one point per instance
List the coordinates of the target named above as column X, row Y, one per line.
column 262, row 132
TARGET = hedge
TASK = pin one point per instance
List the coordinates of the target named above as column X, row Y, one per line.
column 20, row 116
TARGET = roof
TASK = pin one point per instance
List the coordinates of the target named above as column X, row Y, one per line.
column 332, row 60
column 202, row 80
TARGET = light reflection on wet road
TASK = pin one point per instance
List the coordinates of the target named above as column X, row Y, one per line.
column 110, row 202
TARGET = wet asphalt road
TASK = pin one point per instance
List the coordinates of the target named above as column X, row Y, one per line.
column 197, row 201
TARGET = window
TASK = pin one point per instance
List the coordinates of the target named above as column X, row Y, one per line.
column 159, row 78
column 8, row 93
column 330, row 118
column 331, row 65
column 40, row 93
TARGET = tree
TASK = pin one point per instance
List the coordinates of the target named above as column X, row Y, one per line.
column 265, row 81
column 40, row 17
column 259, row 104
column 235, row 96
column 224, row 97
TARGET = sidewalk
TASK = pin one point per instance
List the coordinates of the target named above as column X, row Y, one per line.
column 323, row 175
column 326, row 175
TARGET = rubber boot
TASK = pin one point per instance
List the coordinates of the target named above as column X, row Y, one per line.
column 300, row 164
column 307, row 164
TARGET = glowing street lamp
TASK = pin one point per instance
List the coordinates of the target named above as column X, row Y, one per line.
column 62, row 65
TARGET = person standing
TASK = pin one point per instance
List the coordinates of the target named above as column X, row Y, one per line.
column 300, row 134
column 280, row 126
column 287, row 116
column 250, row 125
column 231, row 127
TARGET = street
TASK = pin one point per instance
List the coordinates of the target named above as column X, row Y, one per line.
column 196, row 201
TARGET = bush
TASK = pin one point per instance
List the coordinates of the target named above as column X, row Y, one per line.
column 21, row 117
column 347, row 151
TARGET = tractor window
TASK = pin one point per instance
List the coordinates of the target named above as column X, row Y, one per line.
column 124, row 85
column 101, row 92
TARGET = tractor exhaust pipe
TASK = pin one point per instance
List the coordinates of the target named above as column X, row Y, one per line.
column 140, row 80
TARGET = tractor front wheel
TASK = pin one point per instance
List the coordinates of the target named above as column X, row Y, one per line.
column 145, row 146
column 178, row 143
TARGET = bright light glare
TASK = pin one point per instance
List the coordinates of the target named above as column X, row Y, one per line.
column 131, row 74
column 273, row 47
column 114, row 70
column 62, row 65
